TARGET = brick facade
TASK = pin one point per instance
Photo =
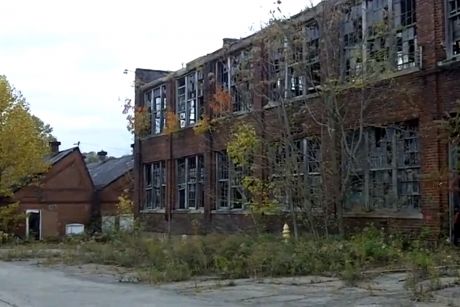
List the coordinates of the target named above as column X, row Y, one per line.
column 426, row 92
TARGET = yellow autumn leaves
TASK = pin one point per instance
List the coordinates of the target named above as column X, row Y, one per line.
column 23, row 147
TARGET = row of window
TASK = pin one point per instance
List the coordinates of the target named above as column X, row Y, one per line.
column 384, row 174
column 189, row 187
column 390, row 37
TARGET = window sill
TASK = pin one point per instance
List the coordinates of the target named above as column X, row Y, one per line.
column 241, row 113
column 151, row 136
column 189, row 210
column 273, row 104
column 230, row 211
column 410, row 215
column 452, row 62
column 403, row 72
column 147, row 211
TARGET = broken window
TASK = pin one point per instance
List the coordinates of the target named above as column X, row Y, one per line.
column 154, row 185
column 378, row 29
column 278, row 69
column 406, row 33
column 240, row 80
column 190, row 98
column 230, row 192
column 312, row 52
column 453, row 19
column 385, row 174
column 190, row 180
column 233, row 76
column 352, row 40
column 155, row 99
column 296, row 168
column 390, row 36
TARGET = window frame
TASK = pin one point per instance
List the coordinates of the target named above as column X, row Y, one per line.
column 150, row 98
column 187, row 183
column 227, row 70
column 404, row 144
column 232, row 184
column 450, row 18
column 189, row 104
column 308, row 153
column 150, row 186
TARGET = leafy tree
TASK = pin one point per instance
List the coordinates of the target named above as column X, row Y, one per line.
column 45, row 129
column 23, row 139
column 91, row 157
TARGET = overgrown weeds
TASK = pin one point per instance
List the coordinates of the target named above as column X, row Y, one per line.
column 240, row 256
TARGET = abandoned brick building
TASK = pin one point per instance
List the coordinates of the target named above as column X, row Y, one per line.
column 185, row 181
column 73, row 196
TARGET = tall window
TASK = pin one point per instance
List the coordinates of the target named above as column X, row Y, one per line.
column 453, row 20
column 312, row 53
column 190, row 98
column 233, row 75
column 154, row 185
column 230, row 192
column 294, row 64
column 156, row 101
column 353, row 41
column 190, row 179
column 386, row 170
column 296, row 171
column 406, row 33
column 388, row 41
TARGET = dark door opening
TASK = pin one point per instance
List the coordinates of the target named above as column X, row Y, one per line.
column 34, row 225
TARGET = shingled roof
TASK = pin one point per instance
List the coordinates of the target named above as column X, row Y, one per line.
column 105, row 172
column 55, row 158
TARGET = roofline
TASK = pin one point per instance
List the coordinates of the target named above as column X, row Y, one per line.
column 103, row 186
column 305, row 15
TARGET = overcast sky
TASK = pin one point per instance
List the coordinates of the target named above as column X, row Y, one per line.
column 68, row 57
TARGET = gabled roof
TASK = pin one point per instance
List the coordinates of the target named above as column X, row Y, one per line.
column 55, row 158
column 105, row 172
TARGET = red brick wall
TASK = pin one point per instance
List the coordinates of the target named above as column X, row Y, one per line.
column 64, row 196
column 423, row 95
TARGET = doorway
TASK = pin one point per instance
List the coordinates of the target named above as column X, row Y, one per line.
column 33, row 224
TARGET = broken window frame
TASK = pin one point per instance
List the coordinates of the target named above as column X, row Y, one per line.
column 307, row 155
column 352, row 36
column 278, row 69
column 157, row 107
column 311, row 53
column 230, row 194
column 189, row 102
column 395, row 48
column 229, row 72
column 154, row 185
column 155, row 99
column 386, row 172
column 190, row 183
column 405, row 24
column 452, row 13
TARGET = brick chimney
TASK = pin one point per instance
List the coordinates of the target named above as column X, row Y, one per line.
column 54, row 146
column 102, row 155
column 228, row 41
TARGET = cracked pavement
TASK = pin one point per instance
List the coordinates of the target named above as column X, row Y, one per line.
column 24, row 284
